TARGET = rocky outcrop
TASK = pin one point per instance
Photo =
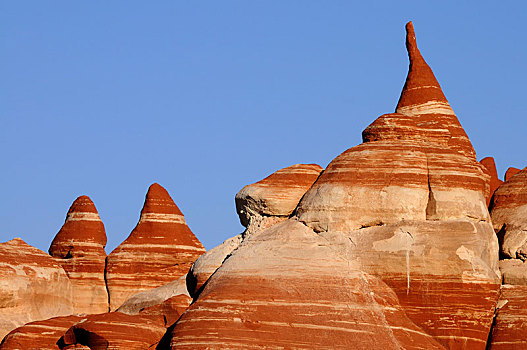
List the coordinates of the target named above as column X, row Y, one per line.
column 39, row 335
column 403, row 213
column 511, row 172
column 170, row 300
column 32, row 287
column 79, row 248
column 273, row 199
column 495, row 182
column 160, row 249
column 510, row 327
column 509, row 216
column 208, row 263
column 287, row 287
column 115, row 330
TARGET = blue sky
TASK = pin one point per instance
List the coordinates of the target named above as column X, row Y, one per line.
column 106, row 97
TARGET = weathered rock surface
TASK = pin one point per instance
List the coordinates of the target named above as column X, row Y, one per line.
column 208, row 263
column 403, row 212
column 511, row 172
column 79, row 248
column 170, row 300
column 39, row 335
column 286, row 287
column 116, row 331
column 509, row 215
column 510, row 327
column 495, row 182
column 273, row 199
column 32, row 287
column 514, row 271
column 160, row 249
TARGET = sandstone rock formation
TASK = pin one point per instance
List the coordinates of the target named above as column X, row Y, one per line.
column 208, row 263
column 287, row 287
column 509, row 215
column 115, row 330
column 495, row 182
column 79, row 248
column 274, row 198
column 39, row 335
column 32, row 287
column 511, row 172
column 170, row 300
column 403, row 212
column 160, row 249
column 510, row 327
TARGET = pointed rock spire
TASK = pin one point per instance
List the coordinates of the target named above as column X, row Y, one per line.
column 79, row 248
column 159, row 250
column 423, row 98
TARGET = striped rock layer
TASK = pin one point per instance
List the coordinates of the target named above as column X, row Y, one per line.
column 274, row 198
column 495, row 182
column 160, row 249
column 423, row 99
column 403, row 214
column 116, row 331
column 32, row 286
column 509, row 215
column 286, row 287
column 510, row 327
column 39, row 335
column 79, row 248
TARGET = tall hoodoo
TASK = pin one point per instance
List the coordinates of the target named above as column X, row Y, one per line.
column 160, row 249
column 79, row 248
column 423, row 98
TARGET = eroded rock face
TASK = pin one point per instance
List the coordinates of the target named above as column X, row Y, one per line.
column 115, row 330
column 287, row 287
column 208, row 263
column 495, row 182
column 510, row 328
column 160, row 249
column 79, row 248
column 39, row 335
column 403, row 213
column 511, row 172
column 273, row 199
column 509, row 215
column 170, row 300
column 32, row 287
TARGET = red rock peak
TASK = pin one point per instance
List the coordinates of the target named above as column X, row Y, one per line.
column 423, row 99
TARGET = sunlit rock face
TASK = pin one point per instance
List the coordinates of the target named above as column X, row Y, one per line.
column 273, row 199
column 40, row 334
column 495, row 182
column 79, row 248
column 32, row 286
column 160, row 249
column 391, row 247
column 115, row 330
column 509, row 215
column 510, row 326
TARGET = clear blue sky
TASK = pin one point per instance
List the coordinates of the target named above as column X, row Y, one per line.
column 105, row 97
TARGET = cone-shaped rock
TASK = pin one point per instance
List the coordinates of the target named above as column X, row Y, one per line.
column 511, row 172
column 404, row 212
column 79, row 248
column 495, row 182
column 423, row 99
column 32, row 286
column 160, row 249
